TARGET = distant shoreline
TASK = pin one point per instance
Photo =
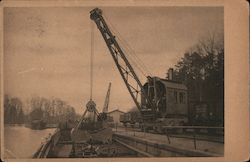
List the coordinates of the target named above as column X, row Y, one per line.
column 14, row 124
column 28, row 125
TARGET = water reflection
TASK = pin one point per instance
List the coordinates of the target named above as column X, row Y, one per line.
column 22, row 142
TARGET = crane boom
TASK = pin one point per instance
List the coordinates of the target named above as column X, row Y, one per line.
column 128, row 74
column 106, row 102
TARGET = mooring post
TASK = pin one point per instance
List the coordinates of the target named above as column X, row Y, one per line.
column 167, row 136
column 194, row 139
column 73, row 153
column 144, row 131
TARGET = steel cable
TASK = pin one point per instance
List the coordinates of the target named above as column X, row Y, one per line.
column 91, row 58
column 138, row 63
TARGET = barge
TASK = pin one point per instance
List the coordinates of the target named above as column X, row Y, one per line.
column 91, row 137
column 88, row 145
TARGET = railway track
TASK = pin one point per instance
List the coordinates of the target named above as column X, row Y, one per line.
column 189, row 134
column 165, row 146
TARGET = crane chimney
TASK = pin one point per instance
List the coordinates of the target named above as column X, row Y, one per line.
column 170, row 73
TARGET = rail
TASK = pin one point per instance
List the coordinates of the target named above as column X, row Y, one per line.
column 133, row 148
column 193, row 133
column 195, row 127
column 152, row 148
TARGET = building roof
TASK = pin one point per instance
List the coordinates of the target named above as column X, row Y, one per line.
column 174, row 85
column 170, row 83
column 116, row 110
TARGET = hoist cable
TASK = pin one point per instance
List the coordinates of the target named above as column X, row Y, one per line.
column 91, row 58
column 129, row 51
column 122, row 41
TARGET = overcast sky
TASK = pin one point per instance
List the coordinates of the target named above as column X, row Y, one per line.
column 47, row 50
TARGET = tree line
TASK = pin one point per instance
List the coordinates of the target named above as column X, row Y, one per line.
column 13, row 110
column 52, row 110
column 202, row 70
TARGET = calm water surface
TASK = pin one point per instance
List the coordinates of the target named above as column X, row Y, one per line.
column 22, row 142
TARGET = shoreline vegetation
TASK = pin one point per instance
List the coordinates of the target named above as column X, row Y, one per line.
column 201, row 69
column 52, row 111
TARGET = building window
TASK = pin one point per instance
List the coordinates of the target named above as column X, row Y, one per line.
column 182, row 97
column 175, row 97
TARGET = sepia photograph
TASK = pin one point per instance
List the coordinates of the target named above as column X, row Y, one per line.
column 113, row 81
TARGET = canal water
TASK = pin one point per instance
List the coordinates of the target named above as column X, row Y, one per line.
column 22, row 142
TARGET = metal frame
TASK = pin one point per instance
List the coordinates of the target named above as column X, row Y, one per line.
column 127, row 72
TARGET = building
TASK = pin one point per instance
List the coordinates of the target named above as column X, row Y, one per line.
column 115, row 114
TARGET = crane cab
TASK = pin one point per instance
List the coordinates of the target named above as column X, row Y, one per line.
column 169, row 98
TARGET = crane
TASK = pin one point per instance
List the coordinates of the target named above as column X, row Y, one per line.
column 91, row 107
column 130, row 78
column 97, row 117
column 103, row 115
column 106, row 102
